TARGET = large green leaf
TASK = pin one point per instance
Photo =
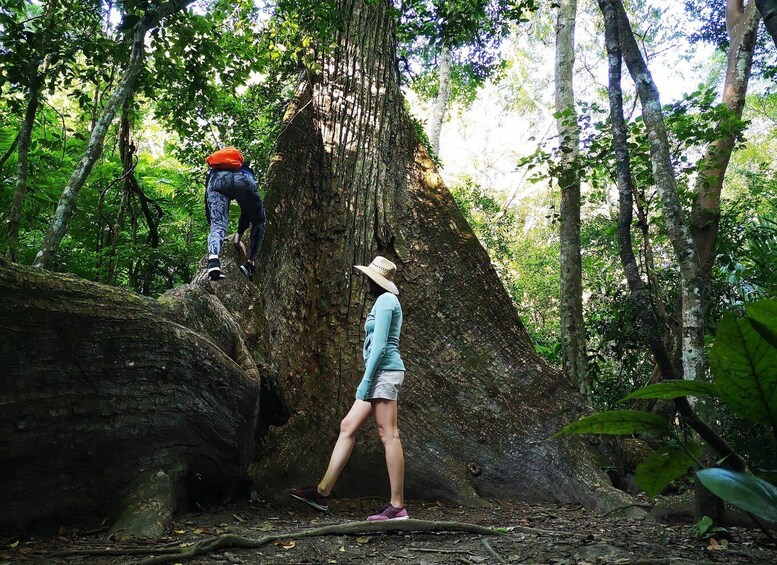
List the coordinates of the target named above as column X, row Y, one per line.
column 743, row 490
column 664, row 466
column 673, row 389
column 763, row 316
column 745, row 368
column 618, row 422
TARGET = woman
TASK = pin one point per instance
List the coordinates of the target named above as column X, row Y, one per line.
column 376, row 396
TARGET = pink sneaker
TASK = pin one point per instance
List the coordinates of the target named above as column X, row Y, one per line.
column 389, row 512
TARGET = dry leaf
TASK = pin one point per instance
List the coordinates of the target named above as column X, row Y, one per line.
column 200, row 531
column 265, row 526
column 288, row 544
column 714, row 545
column 342, row 549
column 186, row 544
column 362, row 539
column 179, row 532
column 239, row 518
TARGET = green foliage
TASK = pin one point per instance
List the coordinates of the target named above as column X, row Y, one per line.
column 664, row 466
column 201, row 88
column 743, row 490
column 471, row 29
column 704, row 528
column 525, row 257
column 745, row 364
column 618, row 422
column 673, row 389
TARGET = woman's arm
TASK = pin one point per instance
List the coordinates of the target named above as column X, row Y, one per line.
column 379, row 342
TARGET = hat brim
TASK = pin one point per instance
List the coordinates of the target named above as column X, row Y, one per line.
column 379, row 279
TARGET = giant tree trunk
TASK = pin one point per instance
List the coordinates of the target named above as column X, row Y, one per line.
column 136, row 399
column 572, row 323
column 350, row 180
column 67, row 201
column 111, row 409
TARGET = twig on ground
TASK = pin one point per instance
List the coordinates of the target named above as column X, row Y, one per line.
column 491, row 551
column 625, row 506
column 433, row 550
column 530, row 530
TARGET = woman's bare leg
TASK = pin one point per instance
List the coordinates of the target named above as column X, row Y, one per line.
column 386, row 421
column 357, row 415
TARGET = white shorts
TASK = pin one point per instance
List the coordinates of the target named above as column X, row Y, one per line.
column 386, row 385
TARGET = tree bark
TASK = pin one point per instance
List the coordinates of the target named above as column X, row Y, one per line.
column 67, row 201
column 351, row 180
column 573, row 338
column 113, row 409
column 768, row 10
column 441, row 101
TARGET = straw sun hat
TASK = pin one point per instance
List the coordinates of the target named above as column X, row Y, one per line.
column 382, row 271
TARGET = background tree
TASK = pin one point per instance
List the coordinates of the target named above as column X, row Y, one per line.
column 572, row 323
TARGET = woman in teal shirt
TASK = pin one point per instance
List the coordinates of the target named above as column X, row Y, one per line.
column 376, row 395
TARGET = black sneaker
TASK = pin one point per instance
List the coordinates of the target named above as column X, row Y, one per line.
column 214, row 270
column 248, row 270
column 310, row 495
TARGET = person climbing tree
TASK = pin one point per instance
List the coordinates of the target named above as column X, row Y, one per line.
column 230, row 178
column 377, row 394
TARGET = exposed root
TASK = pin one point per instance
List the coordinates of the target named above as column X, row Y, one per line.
column 232, row 541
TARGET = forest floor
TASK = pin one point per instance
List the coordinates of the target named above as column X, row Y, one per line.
column 553, row 534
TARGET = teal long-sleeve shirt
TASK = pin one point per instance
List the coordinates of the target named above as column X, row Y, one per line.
column 381, row 343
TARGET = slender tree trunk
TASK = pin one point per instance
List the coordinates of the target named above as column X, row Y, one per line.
column 10, row 151
column 25, row 133
column 679, row 233
column 768, row 10
column 23, row 167
column 127, row 152
column 572, row 324
column 651, row 329
column 67, row 201
column 742, row 26
column 441, row 102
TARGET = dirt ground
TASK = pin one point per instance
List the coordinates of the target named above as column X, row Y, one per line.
column 554, row 534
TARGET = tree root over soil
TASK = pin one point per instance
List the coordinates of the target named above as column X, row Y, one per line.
column 167, row 554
